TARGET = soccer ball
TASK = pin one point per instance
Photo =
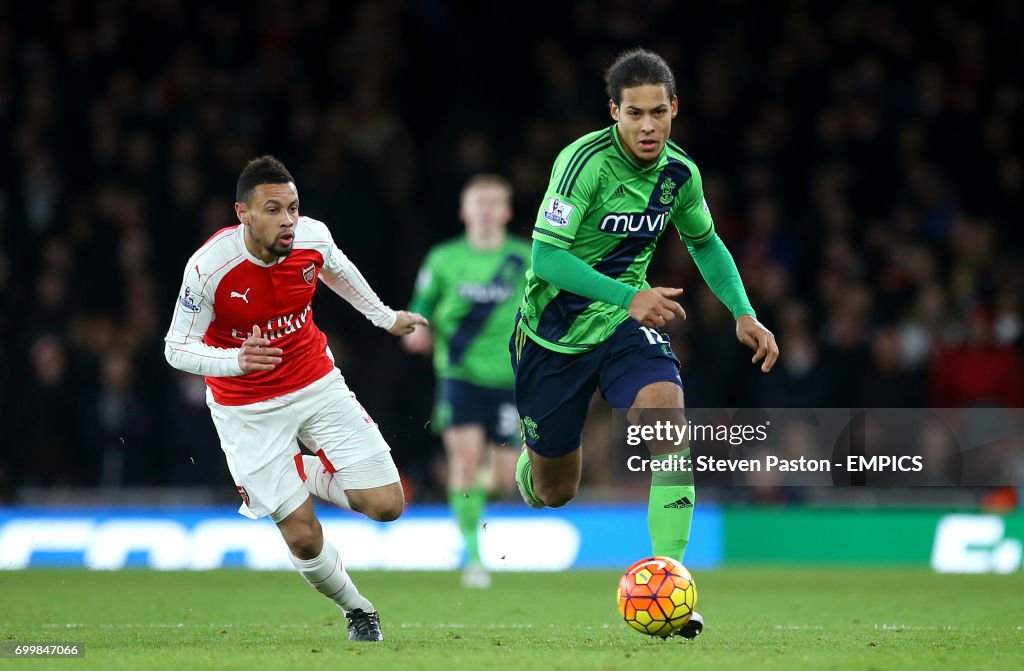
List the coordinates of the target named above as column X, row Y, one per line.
column 657, row 596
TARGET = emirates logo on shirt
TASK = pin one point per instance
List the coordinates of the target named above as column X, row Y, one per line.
column 309, row 274
column 278, row 327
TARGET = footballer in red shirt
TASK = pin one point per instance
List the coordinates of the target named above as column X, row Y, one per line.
column 244, row 320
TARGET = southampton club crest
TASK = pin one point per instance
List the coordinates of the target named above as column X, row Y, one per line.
column 667, row 189
column 309, row 274
column 528, row 428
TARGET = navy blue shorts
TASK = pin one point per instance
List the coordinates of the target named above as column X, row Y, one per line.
column 553, row 390
column 462, row 403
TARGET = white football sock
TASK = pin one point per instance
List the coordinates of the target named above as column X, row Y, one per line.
column 326, row 574
column 323, row 484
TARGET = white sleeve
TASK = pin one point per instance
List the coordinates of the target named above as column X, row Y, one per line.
column 344, row 279
column 183, row 345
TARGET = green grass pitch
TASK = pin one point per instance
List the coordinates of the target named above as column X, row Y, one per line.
column 758, row 618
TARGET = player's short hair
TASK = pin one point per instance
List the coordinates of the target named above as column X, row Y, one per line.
column 487, row 179
column 638, row 67
column 262, row 170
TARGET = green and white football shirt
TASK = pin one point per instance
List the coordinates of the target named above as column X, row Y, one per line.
column 470, row 297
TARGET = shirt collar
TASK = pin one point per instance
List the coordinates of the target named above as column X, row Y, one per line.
column 240, row 235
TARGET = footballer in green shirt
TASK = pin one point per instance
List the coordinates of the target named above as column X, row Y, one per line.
column 589, row 319
column 470, row 287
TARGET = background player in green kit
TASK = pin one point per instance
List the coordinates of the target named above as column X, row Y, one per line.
column 590, row 319
column 470, row 287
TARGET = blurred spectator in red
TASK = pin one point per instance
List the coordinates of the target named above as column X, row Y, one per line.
column 979, row 372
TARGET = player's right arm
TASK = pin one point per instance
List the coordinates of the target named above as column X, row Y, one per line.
column 184, row 348
column 575, row 182
column 651, row 307
column 428, row 290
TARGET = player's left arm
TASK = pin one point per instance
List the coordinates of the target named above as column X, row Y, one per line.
column 692, row 219
column 344, row 279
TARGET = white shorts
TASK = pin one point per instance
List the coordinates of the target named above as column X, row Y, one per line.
column 264, row 459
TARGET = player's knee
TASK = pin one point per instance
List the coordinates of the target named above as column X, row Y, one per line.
column 556, row 496
column 660, row 395
column 385, row 509
column 388, row 511
column 390, row 514
column 305, row 540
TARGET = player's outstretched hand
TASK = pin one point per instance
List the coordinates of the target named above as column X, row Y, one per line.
column 256, row 353
column 418, row 342
column 407, row 322
column 754, row 335
column 653, row 307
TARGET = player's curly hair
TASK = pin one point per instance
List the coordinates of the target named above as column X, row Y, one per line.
column 638, row 67
column 262, row 170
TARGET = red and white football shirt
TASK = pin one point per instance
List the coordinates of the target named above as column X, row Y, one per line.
column 226, row 290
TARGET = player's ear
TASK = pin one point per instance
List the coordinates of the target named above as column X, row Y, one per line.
column 242, row 213
column 613, row 109
column 675, row 106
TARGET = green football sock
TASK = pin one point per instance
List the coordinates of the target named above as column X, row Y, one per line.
column 524, row 480
column 468, row 508
column 670, row 509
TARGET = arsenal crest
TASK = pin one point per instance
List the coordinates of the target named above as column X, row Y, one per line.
column 309, row 274
column 244, row 494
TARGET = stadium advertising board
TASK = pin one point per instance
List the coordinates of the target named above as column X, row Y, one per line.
column 948, row 542
column 425, row 538
column 584, row 536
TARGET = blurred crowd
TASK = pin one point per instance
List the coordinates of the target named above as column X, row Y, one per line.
column 862, row 161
